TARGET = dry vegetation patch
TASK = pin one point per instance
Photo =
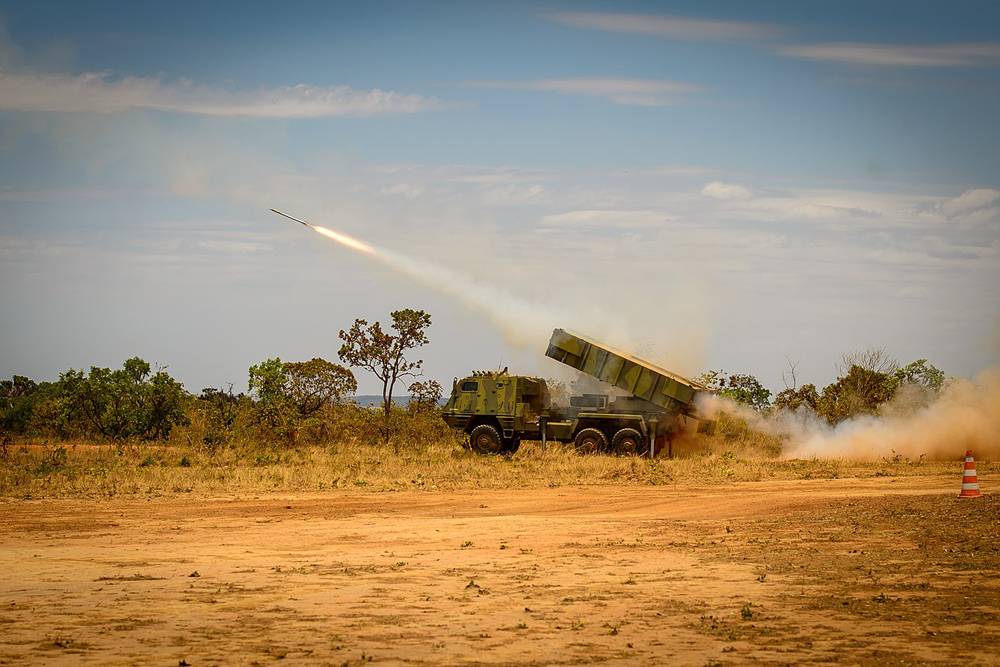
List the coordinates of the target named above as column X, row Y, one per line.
column 81, row 469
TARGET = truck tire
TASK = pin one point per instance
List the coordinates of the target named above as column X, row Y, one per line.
column 629, row 442
column 590, row 441
column 485, row 439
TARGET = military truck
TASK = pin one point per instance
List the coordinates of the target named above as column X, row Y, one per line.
column 497, row 410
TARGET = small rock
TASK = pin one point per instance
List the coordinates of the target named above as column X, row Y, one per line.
column 194, row 574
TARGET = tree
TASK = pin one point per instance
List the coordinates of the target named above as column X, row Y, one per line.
column 860, row 391
column 17, row 398
column 383, row 354
column 790, row 377
column 16, row 387
column 425, row 395
column 130, row 402
column 740, row 387
column 316, row 383
column 920, row 373
column 164, row 401
column 268, row 380
column 220, row 408
column 874, row 359
column 269, row 385
column 289, row 393
column 792, row 399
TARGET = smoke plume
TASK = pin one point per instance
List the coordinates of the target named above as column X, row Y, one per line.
column 522, row 323
column 965, row 415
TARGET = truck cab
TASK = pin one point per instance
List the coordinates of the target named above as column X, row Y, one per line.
column 496, row 409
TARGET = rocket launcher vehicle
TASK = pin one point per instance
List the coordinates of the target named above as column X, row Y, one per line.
column 497, row 410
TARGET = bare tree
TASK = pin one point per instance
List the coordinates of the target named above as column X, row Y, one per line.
column 789, row 377
column 874, row 359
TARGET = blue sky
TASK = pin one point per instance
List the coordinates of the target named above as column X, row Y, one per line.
column 711, row 184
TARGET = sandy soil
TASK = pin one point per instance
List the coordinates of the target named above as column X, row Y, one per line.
column 884, row 570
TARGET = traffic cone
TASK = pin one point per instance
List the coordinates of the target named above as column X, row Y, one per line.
column 970, row 482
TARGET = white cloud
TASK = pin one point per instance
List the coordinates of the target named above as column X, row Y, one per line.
column 840, row 209
column 634, row 92
column 622, row 219
column 974, row 206
column 900, row 55
column 232, row 247
column 98, row 92
column 675, row 27
column 491, row 186
column 462, row 173
column 37, row 195
column 720, row 190
column 15, row 247
column 807, row 207
column 679, row 170
column 512, row 195
column 835, row 209
column 407, row 190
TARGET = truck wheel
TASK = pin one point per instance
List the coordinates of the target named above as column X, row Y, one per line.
column 590, row 441
column 485, row 439
column 629, row 442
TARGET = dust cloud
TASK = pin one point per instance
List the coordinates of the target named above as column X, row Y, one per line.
column 965, row 415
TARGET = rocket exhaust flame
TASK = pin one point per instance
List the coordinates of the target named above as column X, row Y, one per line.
column 346, row 240
column 342, row 239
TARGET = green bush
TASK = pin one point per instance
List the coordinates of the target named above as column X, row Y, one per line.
column 740, row 387
column 132, row 402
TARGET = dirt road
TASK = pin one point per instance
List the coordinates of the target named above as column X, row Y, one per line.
column 881, row 570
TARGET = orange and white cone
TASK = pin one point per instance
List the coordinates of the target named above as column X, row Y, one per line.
column 970, row 482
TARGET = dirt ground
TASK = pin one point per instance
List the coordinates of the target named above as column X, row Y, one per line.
column 855, row 571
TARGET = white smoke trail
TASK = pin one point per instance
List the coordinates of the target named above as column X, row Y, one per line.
column 523, row 323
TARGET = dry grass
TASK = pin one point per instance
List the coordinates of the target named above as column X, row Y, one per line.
column 40, row 470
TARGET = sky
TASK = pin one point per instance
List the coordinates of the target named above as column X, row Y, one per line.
column 734, row 186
